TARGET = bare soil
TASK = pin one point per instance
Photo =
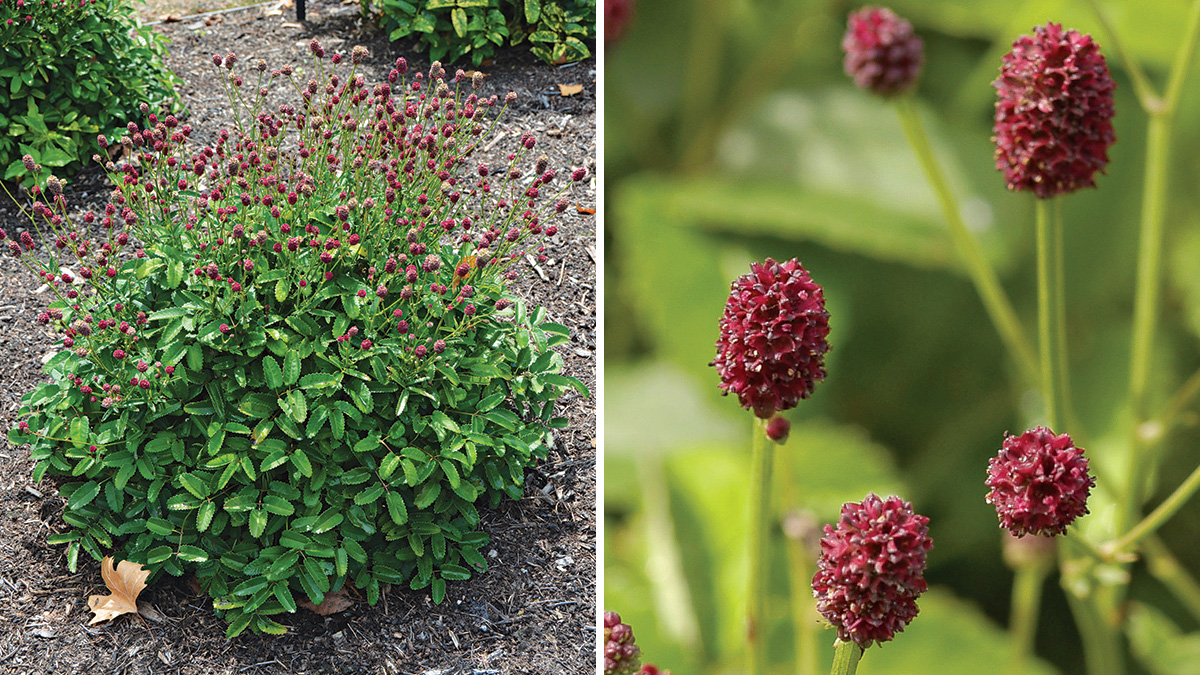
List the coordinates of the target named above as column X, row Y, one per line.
column 532, row 612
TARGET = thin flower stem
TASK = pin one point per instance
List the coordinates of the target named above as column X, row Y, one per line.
column 1183, row 60
column 1182, row 399
column 1101, row 641
column 846, row 656
column 1146, row 307
column 800, row 529
column 804, row 607
column 1159, row 516
column 763, row 454
column 1146, row 94
column 1046, row 314
column 706, row 53
column 1166, row 568
column 1065, row 412
column 1026, row 604
column 983, row 276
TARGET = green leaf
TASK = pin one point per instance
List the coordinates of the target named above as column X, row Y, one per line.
column 257, row 405
column 291, row 367
column 168, row 313
column 278, row 505
column 283, row 567
column 396, row 508
column 328, row 520
column 83, row 495
column 204, row 515
column 533, row 10
column 272, row 373
column 284, row 595
column 296, row 406
column 258, row 522
column 300, row 460
column 159, row 554
column 458, row 20
column 192, row 553
column 355, row 550
column 368, row 443
column 159, row 526
column 369, row 495
column 320, row 380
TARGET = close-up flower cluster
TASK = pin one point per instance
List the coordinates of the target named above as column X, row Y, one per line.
column 773, row 339
column 1039, row 483
column 872, row 569
column 1054, row 111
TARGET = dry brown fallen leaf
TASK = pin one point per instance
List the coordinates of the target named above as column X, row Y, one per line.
column 332, row 604
column 570, row 89
column 472, row 73
column 170, row 18
column 125, row 582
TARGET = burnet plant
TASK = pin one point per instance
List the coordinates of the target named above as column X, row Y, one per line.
column 291, row 360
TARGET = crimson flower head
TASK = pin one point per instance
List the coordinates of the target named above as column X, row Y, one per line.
column 872, row 569
column 883, row 54
column 1039, row 483
column 1054, row 112
column 771, row 349
column 621, row 655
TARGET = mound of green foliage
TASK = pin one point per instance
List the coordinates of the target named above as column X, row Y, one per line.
column 70, row 70
column 309, row 372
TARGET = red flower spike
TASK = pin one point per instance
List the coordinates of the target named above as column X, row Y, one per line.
column 872, row 569
column 1054, row 112
column 1039, row 483
column 620, row 652
column 771, row 349
column 883, row 54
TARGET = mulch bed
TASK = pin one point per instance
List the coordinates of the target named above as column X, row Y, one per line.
column 532, row 612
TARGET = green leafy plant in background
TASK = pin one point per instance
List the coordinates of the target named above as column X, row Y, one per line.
column 773, row 154
column 284, row 388
column 453, row 29
column 69, row 71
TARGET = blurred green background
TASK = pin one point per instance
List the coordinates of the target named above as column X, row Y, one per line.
column 732, row 134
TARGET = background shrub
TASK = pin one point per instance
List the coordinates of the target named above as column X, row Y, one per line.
column 452, row 29
column 310, row 372
column 70, row 70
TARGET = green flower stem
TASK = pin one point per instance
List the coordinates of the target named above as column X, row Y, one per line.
column 1026, row 604
column 1148, row 98
column 763, row 455
column 706, row 54
column 845, row 658
column 1180, row 402
column 1047, row 293
column 804, row 607
column 800, row 529
column 1183, row 60
column 1146, row 308
column 1154, row 199
column 1159, row 516
column 1167, row 570
column 1066, row 415
column 1101, row 641
column 995, row 301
